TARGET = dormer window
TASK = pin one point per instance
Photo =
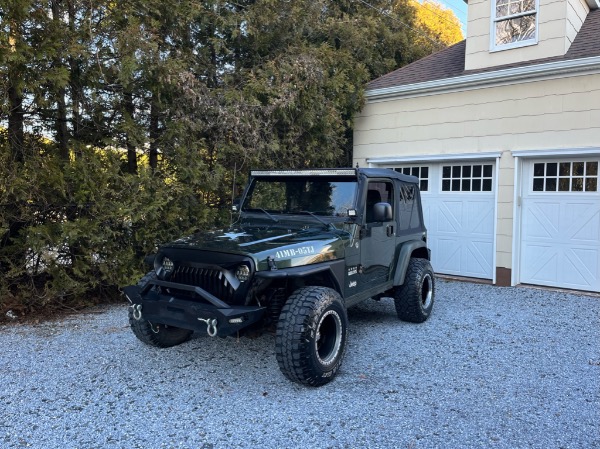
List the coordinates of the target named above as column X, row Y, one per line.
column 514, row 23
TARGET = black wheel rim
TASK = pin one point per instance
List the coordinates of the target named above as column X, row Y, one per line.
column 328, row 340
column 427, row 292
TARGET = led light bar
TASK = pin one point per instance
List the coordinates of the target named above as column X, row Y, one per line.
column 316, row 172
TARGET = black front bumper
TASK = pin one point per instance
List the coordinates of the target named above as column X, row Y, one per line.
column 158, row 307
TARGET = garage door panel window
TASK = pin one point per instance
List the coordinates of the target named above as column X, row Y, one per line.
column 467, row 178
column 567, row 176
column 421, row 172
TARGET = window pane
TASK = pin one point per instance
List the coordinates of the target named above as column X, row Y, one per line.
column 456, row 171
column 487, row 171
column 538, row 185
column 515, row 30
column 565, row 169
column 519, row 6
column 477, row 185
column 424, row 172
column 446, row 185
column 466, row 185
column 550, row 184
column 563, row 184
column 456, row 185
column 501, row 10
column 577, row 168
column 528, row 5
column 424, row 185
column 551, row 169
column 577, row 185
column 466, row 171
column 592, row 169
column 538, row 169
column 415, row 171
column 591, row 185
column 487, row 185
column 476, row 171
column 446, row 171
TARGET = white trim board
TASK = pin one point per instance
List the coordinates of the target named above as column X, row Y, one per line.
column 434, row 158
column 557, row 152
column 515, row 75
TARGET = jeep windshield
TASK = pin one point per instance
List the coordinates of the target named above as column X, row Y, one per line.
column 310, row 195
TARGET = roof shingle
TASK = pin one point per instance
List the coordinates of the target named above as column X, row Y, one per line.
column 450, row 62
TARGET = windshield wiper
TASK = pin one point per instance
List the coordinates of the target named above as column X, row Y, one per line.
column 328, row 224
column 268, row 214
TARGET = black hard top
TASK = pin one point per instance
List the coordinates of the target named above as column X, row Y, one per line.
column 367, row 172
column 387, row 173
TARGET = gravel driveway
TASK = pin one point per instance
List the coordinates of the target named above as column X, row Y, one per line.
column 493, row 367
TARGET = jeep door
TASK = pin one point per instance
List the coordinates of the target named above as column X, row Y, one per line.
column 378, row 242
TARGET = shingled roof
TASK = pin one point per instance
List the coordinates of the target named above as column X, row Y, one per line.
column 450, row 62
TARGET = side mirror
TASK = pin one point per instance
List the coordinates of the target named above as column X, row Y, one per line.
column 382, row 212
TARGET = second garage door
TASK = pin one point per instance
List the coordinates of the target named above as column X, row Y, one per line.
column 459, row 212
column 560, row 224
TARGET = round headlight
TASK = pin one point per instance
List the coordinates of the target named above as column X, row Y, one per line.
column 242, row 273
column 163, row 266
column 167, row 265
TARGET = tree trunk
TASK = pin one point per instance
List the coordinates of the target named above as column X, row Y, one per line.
column 154, row 134
column 75, row 82
column 62, row 132
column 131, row 153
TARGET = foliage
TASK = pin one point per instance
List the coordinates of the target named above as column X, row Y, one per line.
column 438, row 22
column 124, row 124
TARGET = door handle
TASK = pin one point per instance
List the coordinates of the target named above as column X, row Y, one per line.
column 390, row 230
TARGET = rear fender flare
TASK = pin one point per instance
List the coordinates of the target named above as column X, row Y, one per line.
column 406, row 251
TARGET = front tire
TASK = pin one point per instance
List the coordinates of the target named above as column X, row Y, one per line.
column 312, row 334
column 156, row 334
column 414, row 299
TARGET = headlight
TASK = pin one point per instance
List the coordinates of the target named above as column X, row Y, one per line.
column 242, row 273
column 163, row 266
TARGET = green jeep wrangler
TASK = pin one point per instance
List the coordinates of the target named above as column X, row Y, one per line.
column 307, row 245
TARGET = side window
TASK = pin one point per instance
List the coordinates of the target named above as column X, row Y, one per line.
column 378, row 192
column 409, row 209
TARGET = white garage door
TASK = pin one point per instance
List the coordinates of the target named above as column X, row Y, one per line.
column 560, row 227
column 458, row 208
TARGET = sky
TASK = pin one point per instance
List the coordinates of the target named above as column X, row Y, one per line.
column 460, row 9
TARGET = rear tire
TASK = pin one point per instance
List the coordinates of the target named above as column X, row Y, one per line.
column 414, row 299
column 312, row 336
column 156, row 334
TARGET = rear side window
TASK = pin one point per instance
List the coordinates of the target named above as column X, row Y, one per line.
column 409, row 218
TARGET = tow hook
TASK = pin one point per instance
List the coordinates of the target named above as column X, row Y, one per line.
column 137, row 311
column 211, row 326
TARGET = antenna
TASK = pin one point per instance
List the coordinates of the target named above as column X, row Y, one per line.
column 232, row 193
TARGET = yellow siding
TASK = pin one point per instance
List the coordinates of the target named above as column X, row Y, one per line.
column 541, row 115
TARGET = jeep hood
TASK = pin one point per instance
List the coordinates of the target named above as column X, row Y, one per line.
column 287, row 247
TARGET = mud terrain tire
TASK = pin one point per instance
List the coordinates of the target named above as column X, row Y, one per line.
column 312, row 336
column 414, row 299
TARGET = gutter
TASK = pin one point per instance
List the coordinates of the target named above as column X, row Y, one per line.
column 548, row 70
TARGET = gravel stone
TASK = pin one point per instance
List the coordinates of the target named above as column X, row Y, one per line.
column 493, row 367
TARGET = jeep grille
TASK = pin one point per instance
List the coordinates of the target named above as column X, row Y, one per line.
column 211, row 280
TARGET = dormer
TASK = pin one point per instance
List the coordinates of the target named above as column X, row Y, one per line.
column 503, row 32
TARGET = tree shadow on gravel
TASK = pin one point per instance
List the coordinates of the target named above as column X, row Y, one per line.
column 371, row 311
